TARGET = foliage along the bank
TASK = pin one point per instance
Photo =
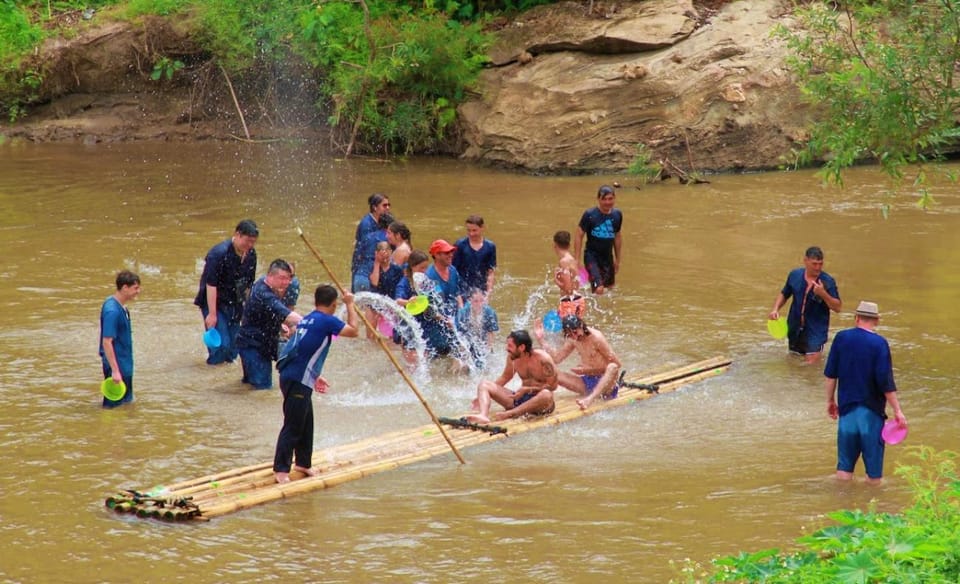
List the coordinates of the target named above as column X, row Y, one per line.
column 921, row 544
column 392, row 73
column 881, row 77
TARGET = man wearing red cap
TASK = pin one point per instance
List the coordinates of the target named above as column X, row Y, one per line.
column 446, row 276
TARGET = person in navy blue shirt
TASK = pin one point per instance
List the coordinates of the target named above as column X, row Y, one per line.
column 859, row 384
column 379, row 205
column 602, row 254
column 116, row 336
column 814, row 293
column 228, row 273
column 264, row 317
column 475, row 259
column 300, row 367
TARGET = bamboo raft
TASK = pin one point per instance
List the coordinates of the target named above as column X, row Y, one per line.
column 226, row 492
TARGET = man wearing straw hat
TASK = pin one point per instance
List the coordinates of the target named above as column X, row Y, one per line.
column 300, row 366
column 538, row 380
column 859, row 384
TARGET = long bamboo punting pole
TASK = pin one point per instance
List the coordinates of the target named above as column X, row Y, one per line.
column 385, row 348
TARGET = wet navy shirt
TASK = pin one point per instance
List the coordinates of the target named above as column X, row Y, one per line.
column 230, row 274
column 474, row 264
column 860, row 361
column 816, row 315
column 263, row 314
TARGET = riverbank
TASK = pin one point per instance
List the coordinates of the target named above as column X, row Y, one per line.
column 568, row 91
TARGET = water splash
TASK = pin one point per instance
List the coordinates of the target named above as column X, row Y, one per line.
column 411, row 333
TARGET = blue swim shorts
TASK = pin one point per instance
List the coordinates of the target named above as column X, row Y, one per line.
column 591, row 382
column 858, row 433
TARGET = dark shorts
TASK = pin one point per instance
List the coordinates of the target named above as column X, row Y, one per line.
column 529, row 396
column 800, row 344
column 600, row 270
column 591, row 381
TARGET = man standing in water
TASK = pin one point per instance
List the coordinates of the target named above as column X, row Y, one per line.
column 596, row 375
column 814, row 293
column 228, row 272
column 300, row 366
column 538, row 380
column 264, row 316
column 116, row 336
column 475, row 259
column 602, row 254
column 860, row 363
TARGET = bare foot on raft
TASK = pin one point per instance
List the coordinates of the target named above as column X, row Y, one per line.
column 585, row 402
column 282, row 477
column 310, row 472
column 478, row 419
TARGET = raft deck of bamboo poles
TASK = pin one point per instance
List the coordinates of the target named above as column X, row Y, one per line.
column 226, row 492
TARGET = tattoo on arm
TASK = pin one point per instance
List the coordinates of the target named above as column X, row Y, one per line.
column 548, row 370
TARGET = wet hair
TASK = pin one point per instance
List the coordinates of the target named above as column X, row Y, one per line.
column 127, row 278
column 562, row 239
column 415, row 258
column 382, row 245
column 400, row 228
column 572, row 322
column 279, row 265
column 475, row 220
column 325, row 295
column 385, row 220
column 605, row 190
column 814, row 253
column 375, row 199
column 521, row 338
column 248, row 227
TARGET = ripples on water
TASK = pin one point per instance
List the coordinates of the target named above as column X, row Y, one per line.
column 737, row 462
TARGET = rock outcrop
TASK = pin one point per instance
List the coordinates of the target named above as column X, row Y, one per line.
column 575, row 93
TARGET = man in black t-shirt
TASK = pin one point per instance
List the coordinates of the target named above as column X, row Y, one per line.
column 601, row 225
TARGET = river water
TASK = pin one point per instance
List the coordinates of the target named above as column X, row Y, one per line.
column 742, row 461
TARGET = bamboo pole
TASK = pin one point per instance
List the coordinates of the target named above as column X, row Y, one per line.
column 386, row 349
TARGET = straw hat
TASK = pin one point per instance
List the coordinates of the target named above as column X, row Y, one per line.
column 868, row 309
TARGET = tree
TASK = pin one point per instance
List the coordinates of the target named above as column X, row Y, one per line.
column 881, row 77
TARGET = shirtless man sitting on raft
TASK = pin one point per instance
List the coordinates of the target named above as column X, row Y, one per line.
column 596, row 375
column 538, row 378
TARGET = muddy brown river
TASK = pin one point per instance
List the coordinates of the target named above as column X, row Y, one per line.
column 739, row 462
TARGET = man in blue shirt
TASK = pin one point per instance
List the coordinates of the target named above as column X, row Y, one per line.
column 475, row 259
column 814, row 293
column 264, row 316
column 116, row 336
column 228, row 272
column 602, row 254
column 860, row 364
column 300, row 366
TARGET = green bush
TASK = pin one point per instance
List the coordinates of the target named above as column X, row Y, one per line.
column 401, row 84
column 641, row 166
column 920, row 545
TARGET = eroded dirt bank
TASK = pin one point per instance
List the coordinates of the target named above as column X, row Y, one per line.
column 703, row 85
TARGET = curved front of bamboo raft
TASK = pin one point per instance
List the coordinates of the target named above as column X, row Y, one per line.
column 218, row 494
